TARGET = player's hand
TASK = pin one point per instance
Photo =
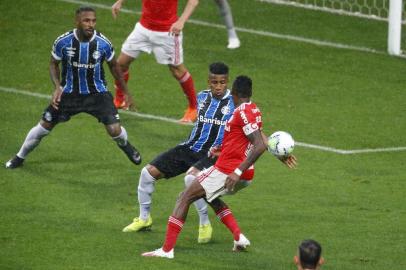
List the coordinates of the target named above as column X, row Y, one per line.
column 56, row 98
column 214, row 151
column 129, row 103
column 176, row 28
column 115, row 8
column 231, row 181
column 289, row 161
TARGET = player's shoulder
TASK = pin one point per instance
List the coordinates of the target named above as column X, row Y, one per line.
column 102, row 38
column 65, row 36
column 204, row 94
column 247, row 109
column 248, row 106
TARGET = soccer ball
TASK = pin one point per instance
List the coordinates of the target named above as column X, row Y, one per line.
column 281, row 144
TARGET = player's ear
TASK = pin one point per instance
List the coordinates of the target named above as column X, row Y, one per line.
column 296, row 260
column 321, row 261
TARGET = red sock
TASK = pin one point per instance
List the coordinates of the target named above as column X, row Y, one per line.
column 186, row 82
column 228, row 219
column 119, row 91
column 172, row 231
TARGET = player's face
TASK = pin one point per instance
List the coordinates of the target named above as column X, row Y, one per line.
column 85, row 23
column 218, row 85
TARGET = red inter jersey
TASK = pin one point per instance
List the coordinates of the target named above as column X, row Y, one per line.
column 245, row 120
column 159, row 15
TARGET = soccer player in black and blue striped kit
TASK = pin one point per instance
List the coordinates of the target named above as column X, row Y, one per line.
column 215, row 107
column 81, row 53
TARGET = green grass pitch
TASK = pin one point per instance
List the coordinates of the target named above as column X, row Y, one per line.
column 66, row 207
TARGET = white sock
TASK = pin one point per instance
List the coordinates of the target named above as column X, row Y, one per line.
column 145, row 189
column 122, row 138
column 200, row 204
column 33, row 138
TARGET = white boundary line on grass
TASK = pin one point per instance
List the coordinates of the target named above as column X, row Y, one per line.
column 251, row 31
column 171, row 120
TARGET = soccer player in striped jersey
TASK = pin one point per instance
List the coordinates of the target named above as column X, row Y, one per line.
column 244, row 142
column 215, row 107
column 81, row 53
column 159, row 31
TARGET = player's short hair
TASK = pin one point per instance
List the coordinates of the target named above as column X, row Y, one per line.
column 218, row 68
column 84, row 9
column 309, row 254
column 242, row 86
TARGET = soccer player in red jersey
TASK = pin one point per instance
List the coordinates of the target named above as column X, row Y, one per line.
column 159, row 31
column 243, row 143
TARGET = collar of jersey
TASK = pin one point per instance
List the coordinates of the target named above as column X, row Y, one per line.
column 74, row 33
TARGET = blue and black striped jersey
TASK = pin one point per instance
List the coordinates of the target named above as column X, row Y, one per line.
column 211, row 119
column 82, row 62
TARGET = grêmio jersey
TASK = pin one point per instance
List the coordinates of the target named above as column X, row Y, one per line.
column 82, row 62
column 212, row 116
column 159, row 15
column 245, row 120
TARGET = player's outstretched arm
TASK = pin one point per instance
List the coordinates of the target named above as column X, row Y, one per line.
column 55, row 74
column 177, row 27
column 118, row 76
column 115, row 8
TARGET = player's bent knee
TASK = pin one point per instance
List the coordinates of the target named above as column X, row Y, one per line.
column 154, row 171
column 189, row 178
column 178, row 71
column 113, row 130
column 47, row 125
column 146, row 183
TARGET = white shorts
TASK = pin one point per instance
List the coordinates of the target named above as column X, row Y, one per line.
column 212, row 180
column 166, row 48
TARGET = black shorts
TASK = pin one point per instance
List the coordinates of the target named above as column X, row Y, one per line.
column 100, row 105
column 179, row 159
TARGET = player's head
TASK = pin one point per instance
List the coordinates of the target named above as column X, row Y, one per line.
column 85, row 20
column 309, row 255
column 242, row 88
column 218, row 79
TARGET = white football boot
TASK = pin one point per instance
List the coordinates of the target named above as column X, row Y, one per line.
column 241, row 244
column 233, row 43
column 159, row 253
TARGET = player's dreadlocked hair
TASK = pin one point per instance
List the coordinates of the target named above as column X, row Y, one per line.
column 218, row 68
column 242, row 86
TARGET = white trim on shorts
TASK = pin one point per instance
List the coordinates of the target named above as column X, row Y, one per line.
column 167, row 48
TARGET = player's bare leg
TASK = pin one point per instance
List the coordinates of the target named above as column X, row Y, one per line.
column 119, row 134
column 124, row 62
column 186, row 82
column 31, row 141
column 175, row 223
column 205, row 228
